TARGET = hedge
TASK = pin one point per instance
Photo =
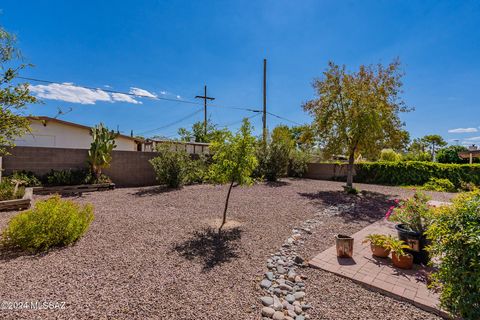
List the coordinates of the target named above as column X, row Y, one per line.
column 416, row 172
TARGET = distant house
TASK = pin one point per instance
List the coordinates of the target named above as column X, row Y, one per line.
column 189, row 147
column 56, row 133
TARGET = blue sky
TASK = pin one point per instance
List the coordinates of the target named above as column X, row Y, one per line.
column 172, row 48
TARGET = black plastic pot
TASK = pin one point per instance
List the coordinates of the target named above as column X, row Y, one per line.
column 417, row 242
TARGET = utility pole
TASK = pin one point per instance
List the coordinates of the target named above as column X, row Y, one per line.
column 205, row 98
column 265, row 101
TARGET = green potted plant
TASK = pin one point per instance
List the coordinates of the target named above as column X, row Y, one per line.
column 400, row 258
column 378, row 244
column 413, row 217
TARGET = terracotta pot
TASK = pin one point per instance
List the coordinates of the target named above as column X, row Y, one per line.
column 344, row 246
column 379, row 251
column 402, row 262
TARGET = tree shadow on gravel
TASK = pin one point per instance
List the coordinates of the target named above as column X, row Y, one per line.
column 152, row 191
column 210, row 247
column 277, row 184
column 9, row 254
column 368, row 206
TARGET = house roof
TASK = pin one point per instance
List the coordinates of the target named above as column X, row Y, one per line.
column 149, row 140
column 72, row 124
column 466, row 154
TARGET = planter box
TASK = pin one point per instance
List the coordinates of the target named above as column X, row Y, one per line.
column 18, row 204
column 74, row 189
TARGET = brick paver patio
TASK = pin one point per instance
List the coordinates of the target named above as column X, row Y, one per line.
column 377, row 273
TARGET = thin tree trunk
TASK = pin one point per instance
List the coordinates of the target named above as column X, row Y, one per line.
column 351, row 160
column 226, row 207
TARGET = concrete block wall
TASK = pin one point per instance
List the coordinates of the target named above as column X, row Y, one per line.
column 128, row 168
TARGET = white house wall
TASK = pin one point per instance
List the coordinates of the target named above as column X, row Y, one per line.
column 59, row 135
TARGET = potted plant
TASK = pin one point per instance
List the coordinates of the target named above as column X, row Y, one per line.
column 400, row 258
column 378, row 244
column 413, row 217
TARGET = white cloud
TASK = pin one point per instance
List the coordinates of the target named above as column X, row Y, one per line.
column 142, row 92
column 473, row 139
column 163, row 92
column 120, row 97
column 178, row 97
column 70, row 93
column 463, row 130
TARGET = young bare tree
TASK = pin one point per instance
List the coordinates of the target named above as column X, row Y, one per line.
column 358, row 112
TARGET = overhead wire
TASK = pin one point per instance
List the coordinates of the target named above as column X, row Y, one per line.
column 249, row 109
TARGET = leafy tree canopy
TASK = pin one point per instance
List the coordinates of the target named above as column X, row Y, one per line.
column 358, row 112
column 197, row 133
column 13, row 97
column 450, row 155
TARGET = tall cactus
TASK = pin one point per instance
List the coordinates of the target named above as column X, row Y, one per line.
column 100, row 153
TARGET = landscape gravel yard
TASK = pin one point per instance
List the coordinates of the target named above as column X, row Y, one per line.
column 149, row 255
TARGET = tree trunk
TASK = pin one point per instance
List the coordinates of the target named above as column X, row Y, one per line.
column 226, row 207
column 351, row 160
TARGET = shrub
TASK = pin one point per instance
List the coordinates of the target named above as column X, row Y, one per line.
column 29, row 178
column 273, row 161
column 416, row 173
column 197, row 170
column 51, row 223
column 390, row 155
column 298, row 163
column 170, row 166
column 8, row 192
column 450, row 155
column 443, row 185
column 455, row 242
column 66, row 177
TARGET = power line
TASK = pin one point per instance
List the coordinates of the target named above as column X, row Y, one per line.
column 171, row 123
column 237, row 122
column 249, row 109
column 137, row 95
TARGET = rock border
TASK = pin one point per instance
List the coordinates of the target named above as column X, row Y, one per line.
column 283, row 285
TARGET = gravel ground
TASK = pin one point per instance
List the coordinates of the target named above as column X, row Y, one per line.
column 149, row 255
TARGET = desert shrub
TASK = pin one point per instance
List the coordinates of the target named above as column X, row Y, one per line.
column 8, row 192
column 51, row 223
column 390, row 155
column 273, row 161
column 66, row 177
column 416, row 173
column 450, row 155
column 455, row 242
column 298, row 163
column 170, row 166
column 419, row 156
column 436, row 184
column 196, row 170
column 29, row 178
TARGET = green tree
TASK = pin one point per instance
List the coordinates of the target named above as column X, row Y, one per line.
column 450, row 154
column 358, row 112
column 233, row 161
column 100, row 153
column 13, row 97
column 304, row 137
column 197, row 133
column 433, row 141
column 170, row 166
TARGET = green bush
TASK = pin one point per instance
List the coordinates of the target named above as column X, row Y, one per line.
column 273, row 161
column 51, row 223
column 455, row 242
column 197, row 170
column 298, row 163
column 7, row 190
column 29, row 178
column 390, row 155
column 65, row 177
column 443, row 185
column 416, row 173
column 450, row 155
column 170, row 166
